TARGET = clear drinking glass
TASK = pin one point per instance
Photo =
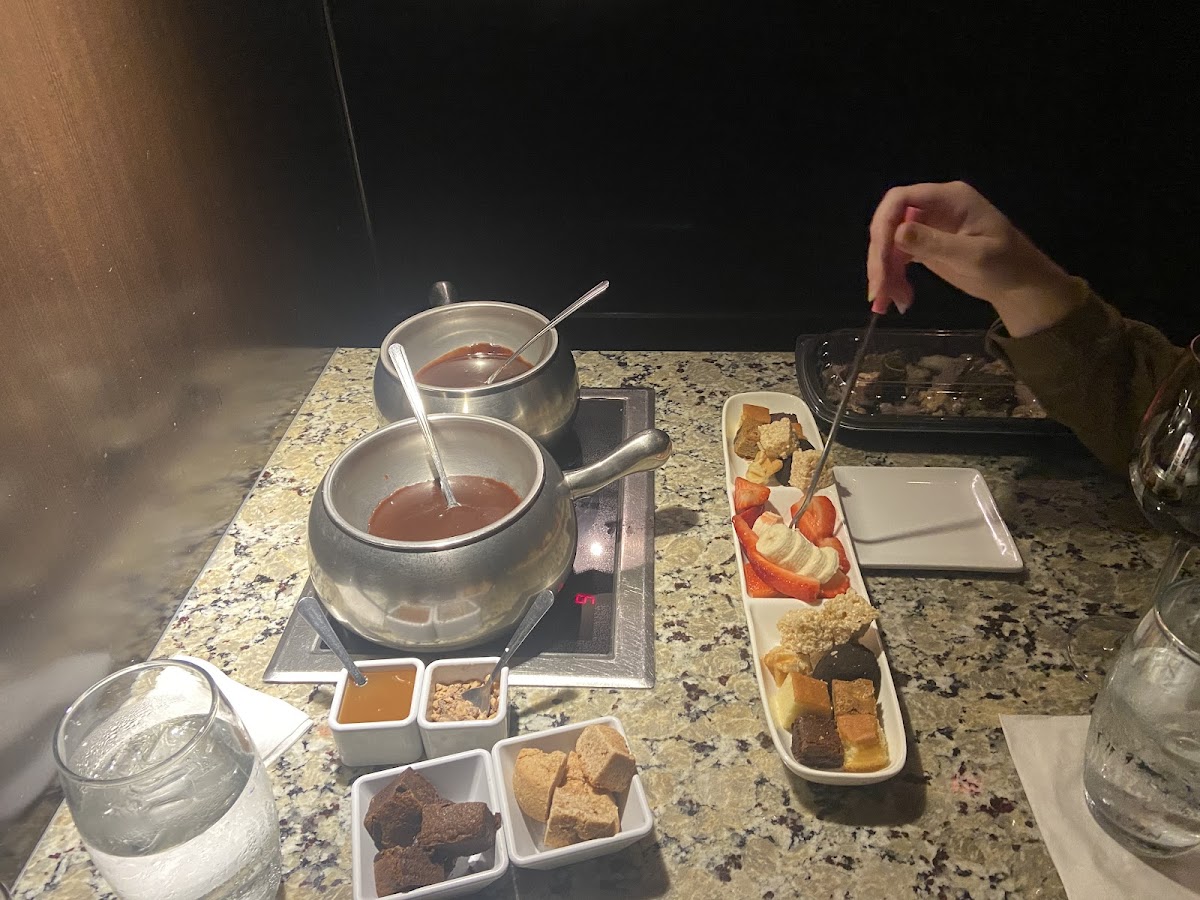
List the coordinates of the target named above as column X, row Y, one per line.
column 1141, row 772
column 1165, row 476
column 166, row 788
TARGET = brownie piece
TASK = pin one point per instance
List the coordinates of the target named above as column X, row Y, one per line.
column 418, row 785
column 400, row 869
column 393, row 820
column 451, row 830
column 815, row 742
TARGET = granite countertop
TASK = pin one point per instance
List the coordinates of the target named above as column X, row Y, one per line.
column 730, row 819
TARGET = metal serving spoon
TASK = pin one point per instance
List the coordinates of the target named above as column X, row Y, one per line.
column 413, row 395
column 482, row 696
column 577, row 305
column 315, row 616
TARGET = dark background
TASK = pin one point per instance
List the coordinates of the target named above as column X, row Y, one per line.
column 720, row 162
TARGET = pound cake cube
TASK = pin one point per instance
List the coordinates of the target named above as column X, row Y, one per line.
column 607, row 762
column 811, row 695
column 574, row 778
column 815, row 742
column 853, row 697
column 745, row 440
column 862, row 743
column 402, row 869
column 535, row 776
column 576, row 817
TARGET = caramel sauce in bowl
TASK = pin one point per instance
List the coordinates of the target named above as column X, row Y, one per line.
column 540, row 400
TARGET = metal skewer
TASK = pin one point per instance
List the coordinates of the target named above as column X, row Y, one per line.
column 851, row 381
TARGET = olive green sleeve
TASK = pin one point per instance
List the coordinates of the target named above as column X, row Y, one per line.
column 1094, row 371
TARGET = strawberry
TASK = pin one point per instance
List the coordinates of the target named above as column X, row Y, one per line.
column 819, row 520
column 747, row 494
column 843, row 559
column 745, row 531
column 838, row 584
column 788, row 584
column 755, row 586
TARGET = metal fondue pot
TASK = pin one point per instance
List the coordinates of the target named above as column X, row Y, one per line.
column 459, row 591
column 541, row 401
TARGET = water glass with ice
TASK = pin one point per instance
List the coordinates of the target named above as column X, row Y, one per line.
column 166, row 788
column 1141, row 772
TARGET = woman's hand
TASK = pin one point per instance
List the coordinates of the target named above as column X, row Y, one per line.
column 958, row 235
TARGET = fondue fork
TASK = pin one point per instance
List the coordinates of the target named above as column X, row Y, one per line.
column 878, row 309
column 851, row 381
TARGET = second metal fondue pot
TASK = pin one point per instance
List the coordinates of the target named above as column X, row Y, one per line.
column 463, row 590
column 541, row 401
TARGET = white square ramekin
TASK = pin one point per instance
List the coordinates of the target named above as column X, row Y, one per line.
column 525, row 846
column 460, row 778
column 379, row 743
column 442, row 738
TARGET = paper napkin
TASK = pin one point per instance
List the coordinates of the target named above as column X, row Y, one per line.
column 1048, row 754
column 273, row 724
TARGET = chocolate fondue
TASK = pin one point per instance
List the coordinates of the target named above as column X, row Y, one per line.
column 470, row 366
column 418, row 512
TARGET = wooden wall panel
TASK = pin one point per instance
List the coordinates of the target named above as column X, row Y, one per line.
column 178, row 217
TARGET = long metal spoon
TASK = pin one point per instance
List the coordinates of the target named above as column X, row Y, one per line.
column 413, row 394
column 577, row 305
column 482, row 695
column 315, row 616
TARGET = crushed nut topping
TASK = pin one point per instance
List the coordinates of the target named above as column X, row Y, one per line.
column 447, row 703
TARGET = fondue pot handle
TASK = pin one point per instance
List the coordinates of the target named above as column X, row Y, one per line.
column 442, row 294
column 644, row 451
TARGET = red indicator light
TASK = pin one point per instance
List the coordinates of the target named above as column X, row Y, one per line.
column 585, row 600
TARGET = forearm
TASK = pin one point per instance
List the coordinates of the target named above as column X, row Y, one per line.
column 1093, row 371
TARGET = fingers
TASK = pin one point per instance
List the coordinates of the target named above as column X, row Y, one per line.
column 943, row 207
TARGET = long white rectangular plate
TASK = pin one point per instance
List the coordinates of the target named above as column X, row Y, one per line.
column 925, row 518
column 763, row 613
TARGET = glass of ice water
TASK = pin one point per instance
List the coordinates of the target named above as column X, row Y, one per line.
column 1141, row 774
column 166, row 788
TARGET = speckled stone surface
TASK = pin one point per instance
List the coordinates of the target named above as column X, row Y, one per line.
column 730, row 819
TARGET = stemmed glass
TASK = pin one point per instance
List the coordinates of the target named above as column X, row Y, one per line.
column 1165, row 475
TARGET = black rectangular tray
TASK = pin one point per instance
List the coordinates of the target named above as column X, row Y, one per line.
column 815, row 353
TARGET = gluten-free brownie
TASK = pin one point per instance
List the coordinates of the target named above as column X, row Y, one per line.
column 400, row 869
column 451, row 830
column 815, row 742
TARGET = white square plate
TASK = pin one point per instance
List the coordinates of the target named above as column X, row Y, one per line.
column 903, row 517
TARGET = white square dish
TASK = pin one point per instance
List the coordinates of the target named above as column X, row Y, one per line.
column 442, row 738
column 461, row 778
column 386, row 743
column 925, row 518
column 524, row 835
